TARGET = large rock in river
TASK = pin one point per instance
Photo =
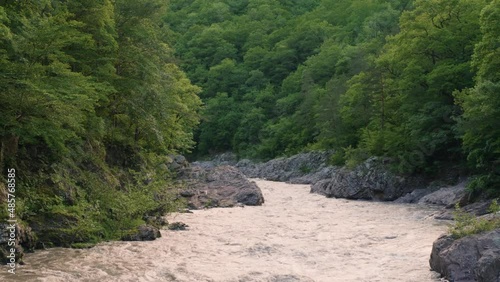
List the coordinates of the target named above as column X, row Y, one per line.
column 369, row 180
column 472, row 258
column 221, row 186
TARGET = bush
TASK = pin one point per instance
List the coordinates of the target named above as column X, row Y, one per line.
column 467, row 224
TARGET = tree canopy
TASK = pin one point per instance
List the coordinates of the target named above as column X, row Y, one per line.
column 362, row 78
column 92, row 101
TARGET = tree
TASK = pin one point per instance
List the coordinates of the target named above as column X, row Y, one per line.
column 421, row 67
column 91, row 104
column 154, row 106
column 481, row 106
column 43, row 100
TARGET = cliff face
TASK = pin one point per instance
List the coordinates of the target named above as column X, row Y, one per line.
column 472, row 258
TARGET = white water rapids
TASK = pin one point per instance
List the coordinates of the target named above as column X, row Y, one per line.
column 295, row 236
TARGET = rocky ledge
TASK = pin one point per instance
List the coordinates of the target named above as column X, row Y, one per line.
column 372, row 179
column 369, row 180
column 221, row 186
column 303, row 168
column 472, row 258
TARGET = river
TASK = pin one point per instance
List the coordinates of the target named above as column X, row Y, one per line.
column 295, row 236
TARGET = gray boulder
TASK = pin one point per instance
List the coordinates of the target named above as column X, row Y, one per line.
column 176, row 163
column 249, row 168
column 143, row 233
column 314, row 177
column 221, row 186
column 414, row 196
column 448, row 196
column 304, row 168
column 369, row 180
column 472, row 258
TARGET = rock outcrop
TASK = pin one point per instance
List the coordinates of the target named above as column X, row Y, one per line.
column 472, row 258
column 220, row 186
column 143, row 233
column 448, row 196
column 304, row 168
column 414, row 196
column 23, row 238
column 176, row 163
column 369, row 180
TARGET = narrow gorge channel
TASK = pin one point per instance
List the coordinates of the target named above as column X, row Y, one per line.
column 295, row 236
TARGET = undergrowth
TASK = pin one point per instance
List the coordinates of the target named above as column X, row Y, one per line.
column 467, row 224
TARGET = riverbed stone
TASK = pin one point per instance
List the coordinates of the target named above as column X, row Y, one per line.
column 177, row 226
column 143, row 233
column 176, row 163
column 448, row 196
column 414, row 196
column 472, row 258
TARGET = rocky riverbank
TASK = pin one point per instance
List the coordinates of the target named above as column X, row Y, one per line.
column 370, row 180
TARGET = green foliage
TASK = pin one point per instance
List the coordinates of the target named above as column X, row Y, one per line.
column 385, row 78
column 478, row 124
column 91, row 101
column 93, row 94
column 467, row 224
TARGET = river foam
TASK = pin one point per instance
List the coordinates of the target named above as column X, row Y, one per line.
column 295, row 236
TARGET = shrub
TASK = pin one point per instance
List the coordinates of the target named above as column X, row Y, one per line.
column 467, row 224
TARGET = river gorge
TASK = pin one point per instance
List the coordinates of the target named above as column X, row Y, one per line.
column 293, row 236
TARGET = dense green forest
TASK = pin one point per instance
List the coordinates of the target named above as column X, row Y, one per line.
column 92, row 104
column 414, row 81
column 96, row 94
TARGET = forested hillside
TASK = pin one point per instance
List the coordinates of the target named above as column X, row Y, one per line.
column 96, row 94
column 414, row 81
column 92, row 102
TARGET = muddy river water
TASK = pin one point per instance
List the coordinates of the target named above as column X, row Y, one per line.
column 295, row 236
